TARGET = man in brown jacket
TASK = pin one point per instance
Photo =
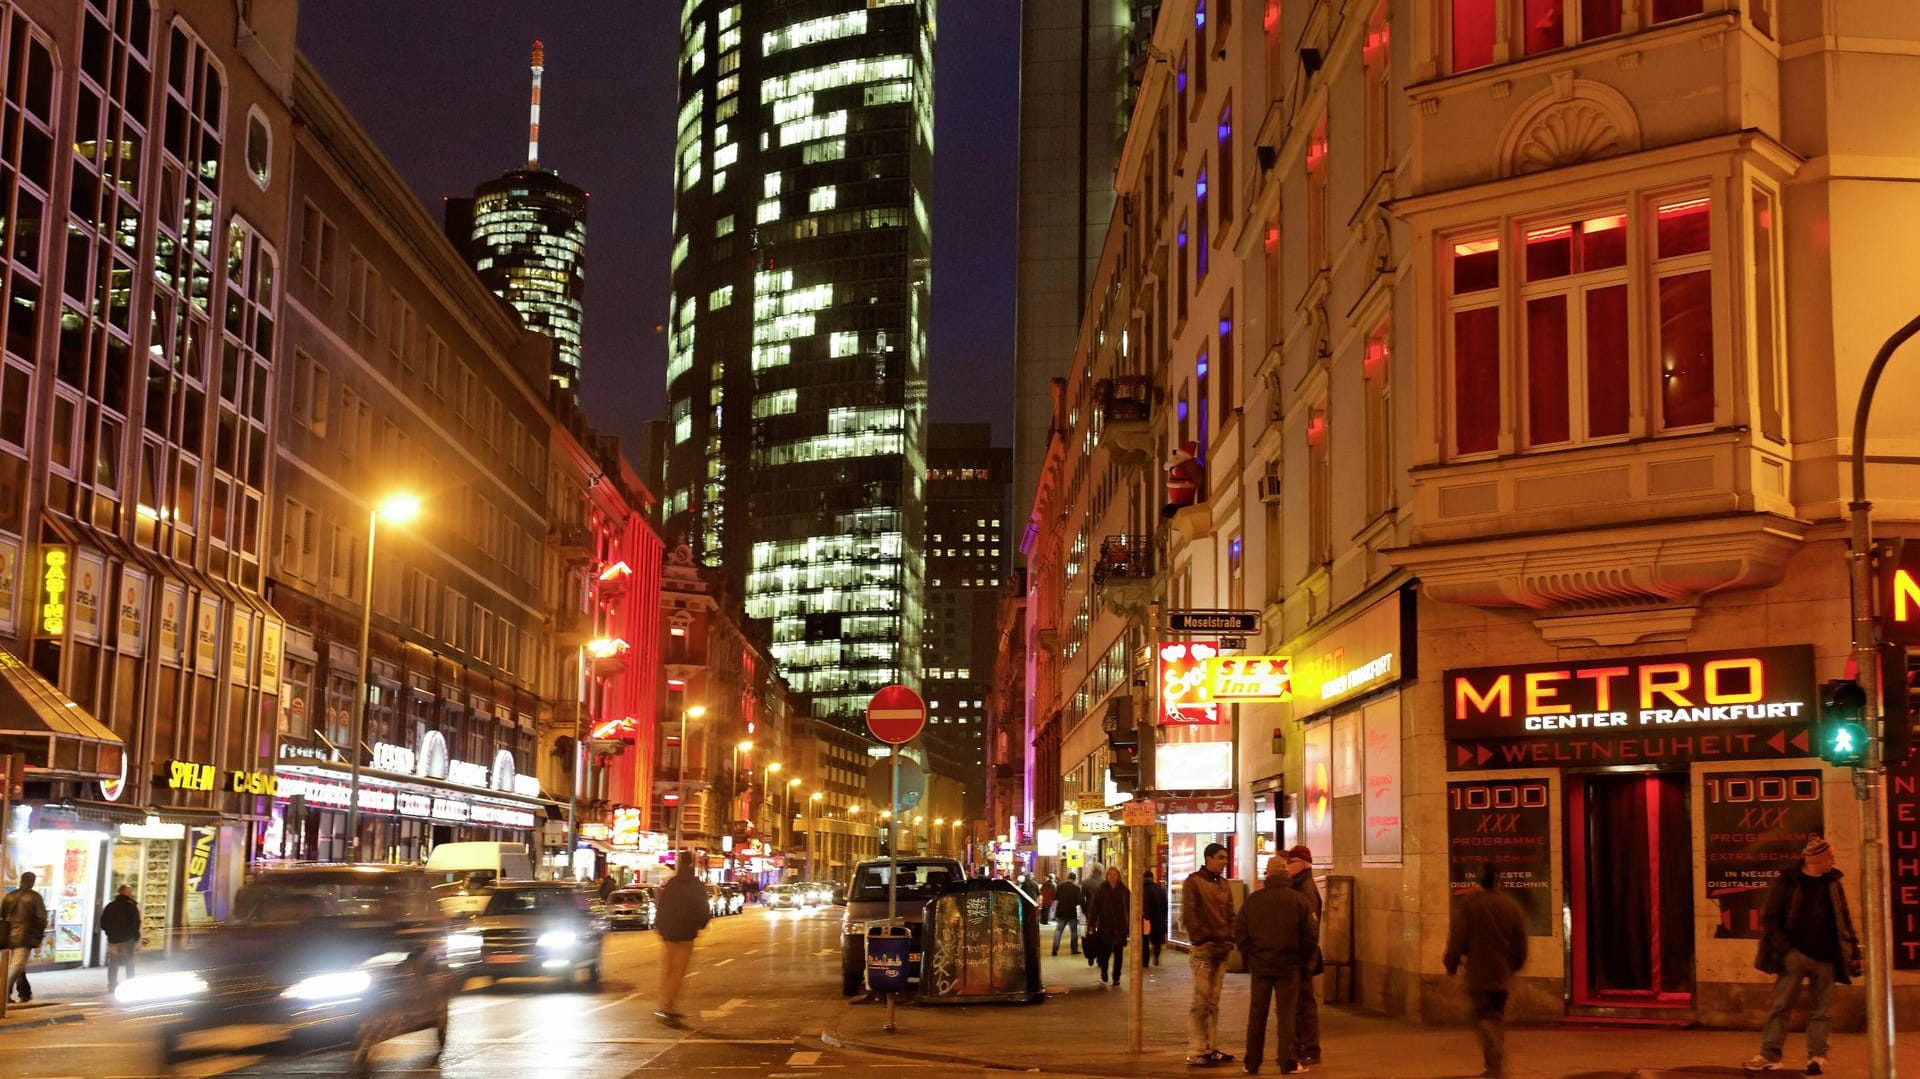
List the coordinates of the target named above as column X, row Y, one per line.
column 1278, row 933
column 1206, row 912
column 1490, row 933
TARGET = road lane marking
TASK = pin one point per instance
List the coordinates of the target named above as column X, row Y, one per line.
column 574, row 1040
column 725, row 961
column 803, row 1059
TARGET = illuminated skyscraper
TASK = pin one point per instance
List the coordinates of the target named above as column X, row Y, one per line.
column 796, row 367
column 526, row 234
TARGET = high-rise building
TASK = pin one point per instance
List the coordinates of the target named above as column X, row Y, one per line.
column 525, row 232
column 1078, row 67
column 796, row 368
column 968, row 556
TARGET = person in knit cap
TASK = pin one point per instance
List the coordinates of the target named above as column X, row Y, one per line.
column 1806, row 932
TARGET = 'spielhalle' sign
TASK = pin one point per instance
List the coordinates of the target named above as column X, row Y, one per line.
column 1747, row 704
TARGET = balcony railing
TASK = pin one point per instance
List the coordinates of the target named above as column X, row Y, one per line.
column 1123, row 574
column 1126, row 416
column 570, row 539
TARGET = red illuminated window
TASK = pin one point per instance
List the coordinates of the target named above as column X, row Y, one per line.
column 1476, row 345
column 1576, row 342
column 1472, row 34
column 1667, row 10
column 1683, row 270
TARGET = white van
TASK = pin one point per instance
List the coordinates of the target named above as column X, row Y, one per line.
column 463, row 873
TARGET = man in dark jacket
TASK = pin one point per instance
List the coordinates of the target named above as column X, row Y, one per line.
column 1306, row 1032
column 1206, row 913
column 1489, row 932
column 1067, row 902
column 1807, row 933
column 1153, row 900
column 607, row 885
column 23, row 920
column 120, row 921
column 680, row 911
column 1278, row 934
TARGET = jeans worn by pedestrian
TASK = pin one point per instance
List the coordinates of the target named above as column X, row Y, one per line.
column 17, row 986
column 1275, row 994
column 1209, row 965
column 1820, row 977
column 1306, row 1034
column 1490, row 1026
column 120, row 961
column 1066, row 925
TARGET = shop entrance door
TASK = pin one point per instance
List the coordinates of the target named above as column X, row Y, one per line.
column 1630, row 856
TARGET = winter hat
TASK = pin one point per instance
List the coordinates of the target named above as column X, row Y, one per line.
column 1816, row 846
column 1301, row 853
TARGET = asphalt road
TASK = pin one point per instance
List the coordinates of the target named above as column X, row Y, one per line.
column 762, row 986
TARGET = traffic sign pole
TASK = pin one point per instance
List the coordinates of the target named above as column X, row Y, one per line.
column 896, row 715
column 893, row 872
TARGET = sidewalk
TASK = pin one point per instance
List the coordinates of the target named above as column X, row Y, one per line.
column 59, row 996
column 1081, row 1029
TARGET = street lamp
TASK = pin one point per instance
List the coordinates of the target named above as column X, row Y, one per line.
column 395, row 509
column 600, row 648
column 812, row 800
column 692, row 711
column 786, row 810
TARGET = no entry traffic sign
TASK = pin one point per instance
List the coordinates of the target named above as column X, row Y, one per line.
column 896, row 715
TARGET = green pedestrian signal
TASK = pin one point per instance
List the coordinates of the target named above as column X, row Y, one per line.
column 1842, row 730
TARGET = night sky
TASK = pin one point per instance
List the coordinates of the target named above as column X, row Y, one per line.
column 446, row 99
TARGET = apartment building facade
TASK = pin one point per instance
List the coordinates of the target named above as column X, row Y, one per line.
column 1478, row 318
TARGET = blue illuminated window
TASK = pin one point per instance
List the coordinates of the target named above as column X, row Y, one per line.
column 1200, row 13
column 1181, row 410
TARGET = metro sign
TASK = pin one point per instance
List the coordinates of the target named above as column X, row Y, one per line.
column 1900, row 599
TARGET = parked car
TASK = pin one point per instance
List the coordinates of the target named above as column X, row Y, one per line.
column 529, row 928
column 724, row 899
column 312, row 958
column 631, row 908
column 918, row 880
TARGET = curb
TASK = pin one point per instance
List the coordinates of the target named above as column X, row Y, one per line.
column 66, row 1015
column 838, row 1041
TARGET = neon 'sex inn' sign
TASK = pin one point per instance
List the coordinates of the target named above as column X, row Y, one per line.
column 1751, row 687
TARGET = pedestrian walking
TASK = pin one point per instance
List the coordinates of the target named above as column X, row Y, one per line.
column 1278, row 934
column 1153, row 899
column 1067, row 902
column 1306, row 1031
column 23, row 918
column 1489, row 934
column 680, row 911
column 1806, row 932
column 1206, row 913
column 1048, row 891
column 1110, row 921
column 607, row 885
column 120, row 921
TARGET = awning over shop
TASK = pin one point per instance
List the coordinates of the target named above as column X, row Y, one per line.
column 55, row 733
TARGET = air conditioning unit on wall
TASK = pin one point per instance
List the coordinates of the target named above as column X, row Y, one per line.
column 1269, row 488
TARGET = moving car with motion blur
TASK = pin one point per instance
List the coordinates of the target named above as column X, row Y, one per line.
column 724, row 899
column 918, row 880
column 783, row 897
column 531, row 929
column 630, row 908
column 313, row 958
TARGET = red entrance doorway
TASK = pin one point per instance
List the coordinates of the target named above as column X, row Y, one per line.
column 1630, row 857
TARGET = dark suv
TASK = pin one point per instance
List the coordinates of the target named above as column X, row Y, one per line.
column 313, row 958
column 532, row 928
column 920, row 879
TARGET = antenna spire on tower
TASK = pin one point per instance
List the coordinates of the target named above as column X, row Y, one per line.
column 533, row 113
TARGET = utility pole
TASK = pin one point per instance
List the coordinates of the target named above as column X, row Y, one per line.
column 1140, row 840
column 1875, row 927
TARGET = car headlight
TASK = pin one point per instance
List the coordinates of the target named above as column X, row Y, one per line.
column 463, row 943
column 557, row 939
column 154, row 988
column 340, row 985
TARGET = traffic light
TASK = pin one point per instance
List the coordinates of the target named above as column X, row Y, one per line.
column 1123, row 751
column 1842, row 731
column 1896, row 705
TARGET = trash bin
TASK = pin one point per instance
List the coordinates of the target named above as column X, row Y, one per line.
column 887, row 949
column 982, row 940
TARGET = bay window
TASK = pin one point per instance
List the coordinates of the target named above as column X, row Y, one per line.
column 1585, row 303
column 1483, row 32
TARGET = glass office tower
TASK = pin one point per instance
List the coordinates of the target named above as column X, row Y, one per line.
column 796, row 370
column 527, row 239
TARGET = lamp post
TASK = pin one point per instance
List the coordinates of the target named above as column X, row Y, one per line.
column 396, row 509
column 766, row 800
column 812, row 800
column 733, row 803
column 601, row 647
column 786, row 808
column 692, row 711
column 934, row 836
